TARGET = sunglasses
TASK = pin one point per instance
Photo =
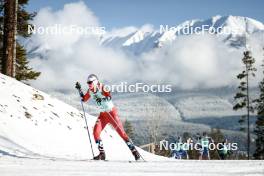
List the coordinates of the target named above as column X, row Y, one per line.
column 89, row 82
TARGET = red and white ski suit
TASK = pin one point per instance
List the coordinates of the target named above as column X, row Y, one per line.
column 108, row 114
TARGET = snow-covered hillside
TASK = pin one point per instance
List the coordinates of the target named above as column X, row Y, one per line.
column 34, row 124
column 145, row 106
column 193, row 107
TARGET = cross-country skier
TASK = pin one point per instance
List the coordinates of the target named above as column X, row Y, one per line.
column 108, row 114
column 223, row 150
column 204, row 142
column 180, row 151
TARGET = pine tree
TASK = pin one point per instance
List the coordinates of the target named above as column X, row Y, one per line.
column 242, row 97
column 23, row 71
column 259, row 129
column 129, row 129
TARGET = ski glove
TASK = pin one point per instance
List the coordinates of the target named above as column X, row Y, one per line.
column 78, row 86
column 99, row 100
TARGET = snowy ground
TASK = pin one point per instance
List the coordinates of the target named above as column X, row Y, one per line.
column 40, row 135
column 11, row 166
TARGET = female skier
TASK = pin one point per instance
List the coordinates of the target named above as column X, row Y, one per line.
column 108, row 114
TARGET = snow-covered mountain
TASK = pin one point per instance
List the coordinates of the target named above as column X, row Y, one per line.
column 143, row 40
column 36, row 125
column 236, row 29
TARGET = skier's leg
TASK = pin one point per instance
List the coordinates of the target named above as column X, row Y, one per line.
column 99, row 126
column 116, row 123
column 221, row 155
column 201, row 154
column 205, row 153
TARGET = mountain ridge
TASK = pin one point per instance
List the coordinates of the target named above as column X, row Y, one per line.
column 140, row 41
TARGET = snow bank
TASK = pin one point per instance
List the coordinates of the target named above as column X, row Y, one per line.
column 34, row 124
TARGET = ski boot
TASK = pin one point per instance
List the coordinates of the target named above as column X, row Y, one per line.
column 135, row 154
column 101, row 156
column 133, row 150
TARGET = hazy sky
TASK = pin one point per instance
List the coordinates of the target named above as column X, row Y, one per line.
column 120, row 13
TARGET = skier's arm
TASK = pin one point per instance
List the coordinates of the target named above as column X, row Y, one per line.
column 106, row 93
column 86, row 96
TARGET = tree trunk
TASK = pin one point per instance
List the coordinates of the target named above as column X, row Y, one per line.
column 248, row 128
column 9, row 38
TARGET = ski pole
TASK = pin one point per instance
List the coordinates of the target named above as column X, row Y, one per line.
column 87, row 129
column 80, row 92
column 117, row 125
